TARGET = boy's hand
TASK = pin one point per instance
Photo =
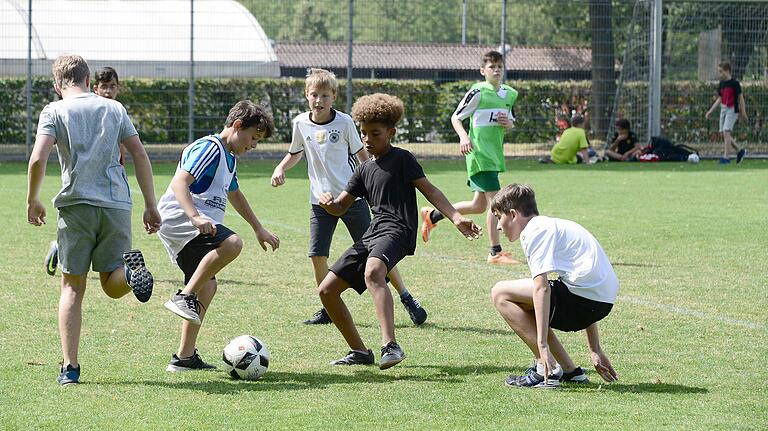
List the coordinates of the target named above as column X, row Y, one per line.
column 504, row 120
column 278, row 177
column 152, row 220
column 468, row 228
column 465, row 146
column 325, row 199
column 266, row 237
column 546, row 360
column 36, row 213
column 707, row 114
column 205, row 226
column 603, row 366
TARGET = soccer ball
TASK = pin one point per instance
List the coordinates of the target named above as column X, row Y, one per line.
column 693, row 158
column 246, row 357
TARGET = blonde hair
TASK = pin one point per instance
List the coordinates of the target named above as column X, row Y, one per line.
column 378, row 108
column 70, row 70
column 321, row 78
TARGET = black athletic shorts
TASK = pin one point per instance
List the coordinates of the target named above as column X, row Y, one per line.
column 190, row 256
column 570, row 312
column 351, row 265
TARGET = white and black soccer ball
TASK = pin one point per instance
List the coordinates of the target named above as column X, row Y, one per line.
column 246, row 357
column 693, row 158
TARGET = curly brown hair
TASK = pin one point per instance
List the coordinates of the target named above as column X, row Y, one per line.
column 378, row 108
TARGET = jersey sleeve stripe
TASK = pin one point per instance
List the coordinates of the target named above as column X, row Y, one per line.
column 204, row 159
column 470, row 95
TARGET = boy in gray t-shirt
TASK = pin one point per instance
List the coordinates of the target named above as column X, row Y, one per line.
column 94, row 203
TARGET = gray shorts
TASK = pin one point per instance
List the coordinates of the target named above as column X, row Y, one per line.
column 88, row 234
column 728, row 117
column 322, row 226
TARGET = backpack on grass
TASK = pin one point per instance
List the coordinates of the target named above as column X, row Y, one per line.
column 667, row 151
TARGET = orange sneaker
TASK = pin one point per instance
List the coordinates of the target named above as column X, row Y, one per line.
column 426, row 223
column 503, row 258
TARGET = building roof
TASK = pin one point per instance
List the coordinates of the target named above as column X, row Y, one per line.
column 430, row 56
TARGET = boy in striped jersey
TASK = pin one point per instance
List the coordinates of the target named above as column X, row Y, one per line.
column 192, row 210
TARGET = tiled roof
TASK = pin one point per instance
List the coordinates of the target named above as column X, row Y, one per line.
column 429, row 56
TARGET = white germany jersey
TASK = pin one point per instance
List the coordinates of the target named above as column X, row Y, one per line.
column 330, row 150
column 206, row 160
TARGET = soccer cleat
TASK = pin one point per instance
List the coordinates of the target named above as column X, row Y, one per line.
column 185, row 306
column 391, row 355
column 532, row 379
column 740, row 155
column 355, row 358
column 725, row 161
column 321, row 317
column 502, row 258
column 575, row 376
column 192, row 363
column 426, row 223
column 137, row 275
column 52, row 258
column 417, row 313
column 68, row 375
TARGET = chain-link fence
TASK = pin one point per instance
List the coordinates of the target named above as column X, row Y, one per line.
column 183, row 63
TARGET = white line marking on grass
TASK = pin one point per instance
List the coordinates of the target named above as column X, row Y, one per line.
column 688, row 312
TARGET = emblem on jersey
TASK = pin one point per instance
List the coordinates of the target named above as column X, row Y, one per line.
column 334, row 136
column 320, row 136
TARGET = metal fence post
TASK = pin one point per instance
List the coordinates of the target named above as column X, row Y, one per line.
column 350, row 39
column 503, row 46
column 191, row 88
column 29, row 80
column 654, row 78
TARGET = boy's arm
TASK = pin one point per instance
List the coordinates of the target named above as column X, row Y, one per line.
column 241, row 205
column 585, row 156
column 337, row 206
column 599, row 360
column 143, row 167
column 180, row 185
column 465, row 144
column 467, row 227
column 362, row 155
column 289, row 161
column 712, row 109
column 742, row 107
column 35, row 175
column 541, row 300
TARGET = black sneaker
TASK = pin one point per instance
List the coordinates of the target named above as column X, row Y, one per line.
column 740, row 155
column 185, row 306
column 52, row 258
column 355, row 358
column 192, row 363
column 391, row 355
column 575, row 376
column 321, row 317
column 532, row 379
column 137, row 275
column 68, row 375
column 415, row 310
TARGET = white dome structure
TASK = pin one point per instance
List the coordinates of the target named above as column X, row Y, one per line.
column 138, row 37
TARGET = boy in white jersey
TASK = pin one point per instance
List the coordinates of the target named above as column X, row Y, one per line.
column 94, row 203
column 193, row 212
column 330, row 141
column 582, row 295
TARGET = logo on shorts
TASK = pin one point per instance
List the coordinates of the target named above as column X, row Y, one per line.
column 385, row 257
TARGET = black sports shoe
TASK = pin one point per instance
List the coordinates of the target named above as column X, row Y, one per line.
column 391, row 355
column 137, row 275
column 52, row 258
column 355, row 358
column 532, row 379
column 185, row 306
column 321, row 317
column 415, row 310
column 68, row 375
column 192, row 363
column 740, row 155
column 575, row 376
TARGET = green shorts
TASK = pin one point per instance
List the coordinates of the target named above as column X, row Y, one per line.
column 484, row 181
column 88, row 234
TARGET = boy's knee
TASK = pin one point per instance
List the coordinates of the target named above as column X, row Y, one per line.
column 375, row 275
column 232, row 245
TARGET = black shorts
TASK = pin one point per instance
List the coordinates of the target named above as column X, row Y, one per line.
column 190, row 256
column 351, row 265
column 570, row 312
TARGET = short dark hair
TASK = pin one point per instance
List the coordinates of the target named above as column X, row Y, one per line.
column 726, row 66
column 106, row 74
column 622, row 124
column 491, row 57
column 577, row 120
column 378, row 108
column 251, row 114
column 519, row 197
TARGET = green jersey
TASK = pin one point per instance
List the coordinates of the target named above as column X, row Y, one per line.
column 482, row 104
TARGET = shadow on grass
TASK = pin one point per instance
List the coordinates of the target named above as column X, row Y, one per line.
column 220, row 281
column 637, row 388
column 641, row 265
column 432, row 326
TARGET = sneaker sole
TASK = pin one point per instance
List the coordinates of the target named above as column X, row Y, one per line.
column 141, row 281
column 426, row 224
column 177, row 369
column 51, row 262
column 390, row 364
column 177, row 311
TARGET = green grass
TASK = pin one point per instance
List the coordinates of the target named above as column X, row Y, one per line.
column 688, row 334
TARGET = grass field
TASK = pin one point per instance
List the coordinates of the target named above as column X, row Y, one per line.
column 688, row 335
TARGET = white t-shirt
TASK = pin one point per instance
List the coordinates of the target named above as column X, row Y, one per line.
column 565, row 247
column 330, row 150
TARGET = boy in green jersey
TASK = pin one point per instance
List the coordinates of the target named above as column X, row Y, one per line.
column 488, row 105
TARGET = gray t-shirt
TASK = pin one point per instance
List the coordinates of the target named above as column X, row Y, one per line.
column 88, row 131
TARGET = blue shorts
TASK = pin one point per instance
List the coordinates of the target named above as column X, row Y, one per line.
column 322, row 225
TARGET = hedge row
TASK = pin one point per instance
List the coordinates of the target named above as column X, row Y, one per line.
column 159, row 107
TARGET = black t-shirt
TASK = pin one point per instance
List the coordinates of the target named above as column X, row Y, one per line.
column 387, row 184
column 729, row 92
column 625, row 144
